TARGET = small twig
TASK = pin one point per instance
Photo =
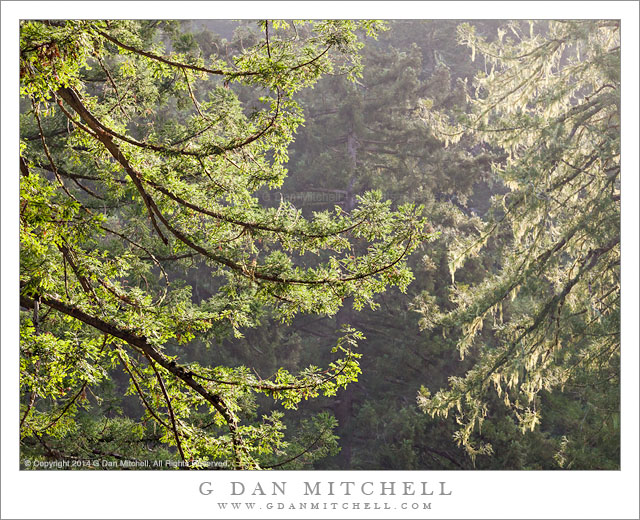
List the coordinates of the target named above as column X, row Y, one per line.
column 113, row 84
column 140, row 394
column 169, row 407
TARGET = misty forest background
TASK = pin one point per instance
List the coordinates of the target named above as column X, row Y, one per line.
column 388, row 129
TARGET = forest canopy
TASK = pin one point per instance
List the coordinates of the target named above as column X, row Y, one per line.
column 253, row 251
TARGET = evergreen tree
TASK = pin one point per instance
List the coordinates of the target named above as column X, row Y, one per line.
column 550, row 99
column 120, row 201
column 157, row 254
column 370, row 135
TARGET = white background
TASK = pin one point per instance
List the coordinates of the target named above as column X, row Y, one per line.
column 130, row 494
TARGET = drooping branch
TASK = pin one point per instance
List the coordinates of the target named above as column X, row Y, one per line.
column 587, row 263
column 162, row 59
column 273, row 387
column 71, row 97
column 248, row 225
column 141, row 343
column 197, row 68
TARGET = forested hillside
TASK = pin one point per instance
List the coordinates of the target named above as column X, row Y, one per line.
column 321, row 245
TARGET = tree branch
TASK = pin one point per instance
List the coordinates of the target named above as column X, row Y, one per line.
column 71, row 97
column 141, row 343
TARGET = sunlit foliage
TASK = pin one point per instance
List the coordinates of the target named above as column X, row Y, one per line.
column 549, row 99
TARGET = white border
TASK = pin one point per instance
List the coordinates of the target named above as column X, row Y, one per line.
column 505, row 494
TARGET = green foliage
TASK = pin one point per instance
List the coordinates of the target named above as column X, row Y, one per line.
column 369, row 135
column 139, row 165
column 315, row 440
column 176, row 307
column 550, row 100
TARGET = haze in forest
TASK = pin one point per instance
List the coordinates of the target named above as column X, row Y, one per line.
column 338, row 244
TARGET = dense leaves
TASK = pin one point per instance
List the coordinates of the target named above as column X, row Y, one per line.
column 551, row 100
column 192, row 277
column 121, row 195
